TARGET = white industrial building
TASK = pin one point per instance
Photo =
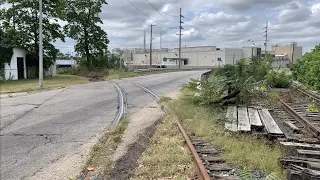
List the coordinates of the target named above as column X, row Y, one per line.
column 202, row 56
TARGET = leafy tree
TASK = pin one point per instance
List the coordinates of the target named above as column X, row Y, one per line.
column 22, row 28
column 83, row 19
column 307, row 69
column 6, row 53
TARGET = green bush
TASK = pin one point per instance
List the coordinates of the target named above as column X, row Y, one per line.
column 278, row 79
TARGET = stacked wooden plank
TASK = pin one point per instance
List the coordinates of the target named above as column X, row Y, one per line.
column 246, row 119
column 243, row 119
column 269, row 123
column 231, row 119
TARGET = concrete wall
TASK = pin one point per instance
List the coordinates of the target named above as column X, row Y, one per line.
column 11, row 69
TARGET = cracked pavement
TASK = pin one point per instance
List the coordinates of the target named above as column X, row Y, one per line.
column 48, row 135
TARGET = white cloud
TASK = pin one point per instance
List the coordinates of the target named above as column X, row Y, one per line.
column 224, row 23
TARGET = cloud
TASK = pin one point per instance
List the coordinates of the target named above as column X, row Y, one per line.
column 223, row 23
column 241, row 5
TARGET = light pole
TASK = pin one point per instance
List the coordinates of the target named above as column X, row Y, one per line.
column 40, row 46
column 161, row 34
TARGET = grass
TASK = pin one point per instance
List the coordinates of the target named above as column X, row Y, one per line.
column 63, row 80
column 118, row 74
column 101, row 153
column 241, row 150
column 167, row 156
column 29, row 85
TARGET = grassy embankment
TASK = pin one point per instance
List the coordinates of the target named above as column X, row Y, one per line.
column 244, row 151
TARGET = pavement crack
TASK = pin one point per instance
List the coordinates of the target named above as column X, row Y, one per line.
column 27, row 112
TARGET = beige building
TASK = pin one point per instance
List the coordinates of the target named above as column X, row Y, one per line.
column 287, row 52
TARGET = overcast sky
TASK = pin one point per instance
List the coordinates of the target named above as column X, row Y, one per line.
column 221, row 23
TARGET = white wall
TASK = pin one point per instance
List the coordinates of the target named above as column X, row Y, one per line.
column 52, row 70
column 231, row 53
column 11, row 69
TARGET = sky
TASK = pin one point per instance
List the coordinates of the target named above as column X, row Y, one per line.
column 221, row 23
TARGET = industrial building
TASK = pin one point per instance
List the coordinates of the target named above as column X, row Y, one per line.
column 207, row 56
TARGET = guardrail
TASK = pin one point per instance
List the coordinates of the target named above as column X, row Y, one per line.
column 161, row 69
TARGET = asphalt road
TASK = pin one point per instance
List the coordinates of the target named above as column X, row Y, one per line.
column 47, row 135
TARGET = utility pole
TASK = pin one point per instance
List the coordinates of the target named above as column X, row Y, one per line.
column 144, row 40
column 234, row 55
column 293, row 44
column 266, row 41
column 40, row 46
column 151, row 45
column 180, row 28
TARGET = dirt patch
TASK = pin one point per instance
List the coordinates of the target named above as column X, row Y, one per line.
column 126, row 165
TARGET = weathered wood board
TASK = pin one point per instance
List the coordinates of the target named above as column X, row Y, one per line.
column 243, row 119
column 301, row 145
column 269, row 123
column 254, row 118
column 232, row 122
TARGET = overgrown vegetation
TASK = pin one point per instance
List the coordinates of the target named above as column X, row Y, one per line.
column 241, row 83
column 101, row 153
column 167, row 156
column 241, row 150
column 307, row 69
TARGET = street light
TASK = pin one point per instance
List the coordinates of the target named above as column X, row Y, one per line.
column 161, row 34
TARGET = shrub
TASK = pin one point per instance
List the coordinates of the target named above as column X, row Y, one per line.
column 278, row 79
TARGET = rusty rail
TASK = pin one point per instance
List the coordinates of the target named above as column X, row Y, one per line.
column 202, row 172
column 306, row 93
column 310, row 127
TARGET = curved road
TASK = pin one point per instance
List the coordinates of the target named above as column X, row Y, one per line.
column 48, row 134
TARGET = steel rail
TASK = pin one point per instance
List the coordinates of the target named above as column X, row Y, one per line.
column 306, row 93
column 201, row 170
column 310, row 127
column 154, row 95
column 122, row 110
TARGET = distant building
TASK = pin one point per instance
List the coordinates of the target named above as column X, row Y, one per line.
column 66, row 63
column 289, row 51
column 208, row 56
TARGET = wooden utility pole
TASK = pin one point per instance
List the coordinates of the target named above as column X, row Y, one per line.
column 151, row 45
column 180, row 27
column 266, row 41
column 293, row 44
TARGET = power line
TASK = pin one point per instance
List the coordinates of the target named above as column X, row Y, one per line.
column 146, row 15
column 159, row 12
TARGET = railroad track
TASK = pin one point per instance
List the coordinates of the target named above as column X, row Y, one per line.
column 302, row 131
column 297, row 106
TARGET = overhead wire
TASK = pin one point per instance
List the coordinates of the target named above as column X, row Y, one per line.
column 159, row 12
column 146, row 15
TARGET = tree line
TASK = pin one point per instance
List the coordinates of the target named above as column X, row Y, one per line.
column 20, row 28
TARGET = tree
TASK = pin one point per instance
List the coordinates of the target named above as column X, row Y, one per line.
column 83, row 19
column 6, row 53
column 21, row 28
column 307, row 69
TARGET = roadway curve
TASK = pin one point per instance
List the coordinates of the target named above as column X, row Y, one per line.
column 49, row 134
